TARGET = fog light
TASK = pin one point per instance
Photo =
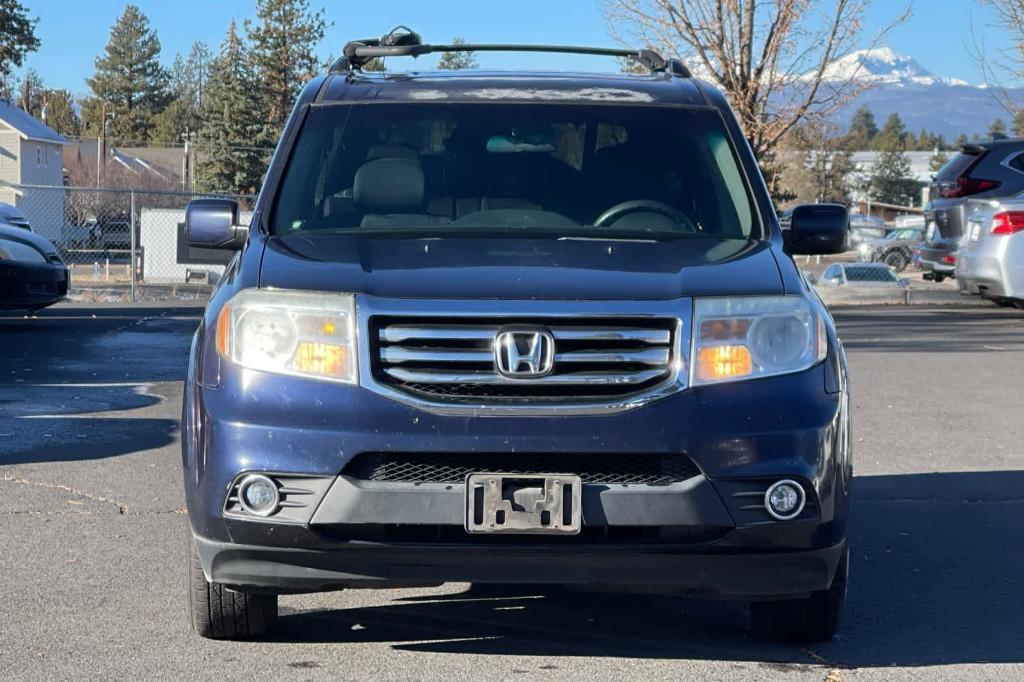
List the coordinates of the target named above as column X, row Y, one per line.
column 784, row 500
column 258, row 495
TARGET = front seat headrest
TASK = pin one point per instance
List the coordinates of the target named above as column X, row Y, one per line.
column 391, row 151
column 389, row 186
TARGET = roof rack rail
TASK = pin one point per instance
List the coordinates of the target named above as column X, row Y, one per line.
column 404, row 42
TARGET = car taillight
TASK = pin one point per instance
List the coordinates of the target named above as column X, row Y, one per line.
column 966, row 186
column 1009, row 222
column 949, row 260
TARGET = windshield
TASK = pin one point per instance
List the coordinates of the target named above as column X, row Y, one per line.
column 870, row 275
column 556, row 170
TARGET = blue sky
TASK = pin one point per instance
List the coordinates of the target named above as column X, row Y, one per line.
column 73, row 32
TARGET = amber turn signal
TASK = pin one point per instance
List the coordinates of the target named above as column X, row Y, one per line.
column 723, row 362
column 324, row 359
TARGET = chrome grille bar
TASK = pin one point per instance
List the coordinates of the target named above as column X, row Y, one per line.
column 431, row 376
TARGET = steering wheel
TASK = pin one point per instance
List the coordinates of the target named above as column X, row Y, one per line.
column 619, row 211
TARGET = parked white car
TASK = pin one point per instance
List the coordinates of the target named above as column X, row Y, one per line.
column 990, row 259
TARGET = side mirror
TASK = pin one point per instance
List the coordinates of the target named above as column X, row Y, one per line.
column 213, row 224
column 817, row 230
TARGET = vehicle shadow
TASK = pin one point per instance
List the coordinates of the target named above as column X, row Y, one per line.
column 935, row 579
column 97, row 345
column 28, row 441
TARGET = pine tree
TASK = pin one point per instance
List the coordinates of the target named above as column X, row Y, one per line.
column 283, row 38
column 997, row 128
column 960, row 141
column 53, row 107
column 862, row 130
column 129, row 80
column 1018, row 123
column 30, row 93
column 61, row 114
column 938, row 161
column 17, row 39
column 183, row 114
column 891, row 181
column 228, row 158
column 892, row 136
column 453, row 61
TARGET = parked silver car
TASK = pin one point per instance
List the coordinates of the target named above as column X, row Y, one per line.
column 991, row 254
column 860, row 275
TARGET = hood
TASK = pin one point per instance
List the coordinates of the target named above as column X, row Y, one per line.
column 22, row 235
column 518, row 267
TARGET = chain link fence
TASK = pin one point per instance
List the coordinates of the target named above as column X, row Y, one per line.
column 123, row 244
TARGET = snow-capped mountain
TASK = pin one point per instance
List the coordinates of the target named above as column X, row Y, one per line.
column 882, row 65
column 924, row 100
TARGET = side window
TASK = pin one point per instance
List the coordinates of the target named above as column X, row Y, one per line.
column 1017, row 162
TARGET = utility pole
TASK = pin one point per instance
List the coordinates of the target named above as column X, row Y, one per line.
column 100, row 142
column 188, row 173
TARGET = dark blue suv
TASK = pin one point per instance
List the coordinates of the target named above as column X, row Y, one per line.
column 516, row 328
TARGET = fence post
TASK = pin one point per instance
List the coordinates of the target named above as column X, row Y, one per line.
column 131, row 267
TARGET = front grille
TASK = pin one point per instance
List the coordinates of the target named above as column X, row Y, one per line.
column 592, row 468
column 593, row 359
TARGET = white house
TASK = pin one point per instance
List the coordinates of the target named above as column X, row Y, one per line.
column 32, row 154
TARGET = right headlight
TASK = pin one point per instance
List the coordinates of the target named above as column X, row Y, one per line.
column 747, row 337
column 13, row 250
column 299, row 333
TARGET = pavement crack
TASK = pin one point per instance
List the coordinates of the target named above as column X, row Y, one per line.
column 835, row 673
column 121, row 507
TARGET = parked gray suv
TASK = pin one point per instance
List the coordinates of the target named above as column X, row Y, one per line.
column 985, row 170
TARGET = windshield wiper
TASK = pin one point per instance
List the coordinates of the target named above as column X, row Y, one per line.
column 644, row 240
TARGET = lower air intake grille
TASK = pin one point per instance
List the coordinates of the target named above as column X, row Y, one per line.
column 636, row 469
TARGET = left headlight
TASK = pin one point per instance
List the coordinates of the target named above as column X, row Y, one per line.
column 755, row 336
column 290, row 332
column 13, row 250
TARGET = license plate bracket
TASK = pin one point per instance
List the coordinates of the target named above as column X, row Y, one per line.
column 540, row 504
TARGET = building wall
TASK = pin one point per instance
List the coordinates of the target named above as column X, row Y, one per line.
column 42, row 163
column 10, row 164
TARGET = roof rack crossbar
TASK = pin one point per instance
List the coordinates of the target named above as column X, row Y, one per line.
column 357, row 53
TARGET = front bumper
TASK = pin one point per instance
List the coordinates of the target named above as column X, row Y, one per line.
column 706, row 534
column 366, row 565
column 25, row 285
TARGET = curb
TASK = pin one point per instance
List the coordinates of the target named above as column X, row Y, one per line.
column 143, row 292
column 899, row 297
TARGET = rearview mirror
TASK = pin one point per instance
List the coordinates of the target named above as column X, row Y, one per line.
column 213, row 224
column 817, row 230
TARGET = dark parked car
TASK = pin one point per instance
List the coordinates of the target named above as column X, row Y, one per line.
column 13, row 217
column 896, row 249
column 986, row 170
column 865, row 228
column 32, row 274
column 529, row 329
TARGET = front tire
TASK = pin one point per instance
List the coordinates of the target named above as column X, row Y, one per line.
column 896, row 260
column 220, row 613
column 812, row 619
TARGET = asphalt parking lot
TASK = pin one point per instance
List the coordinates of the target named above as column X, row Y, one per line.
column 92, row 531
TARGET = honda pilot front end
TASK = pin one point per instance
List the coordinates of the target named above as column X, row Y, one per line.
column 516, row 330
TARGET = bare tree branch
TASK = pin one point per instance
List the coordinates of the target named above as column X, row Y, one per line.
column 770, row 56
column 1010, row 17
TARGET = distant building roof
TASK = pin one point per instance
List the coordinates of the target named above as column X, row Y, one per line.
column 27, row 126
